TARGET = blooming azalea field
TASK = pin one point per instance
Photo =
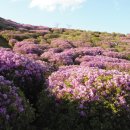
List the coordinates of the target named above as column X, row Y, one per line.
column 63, row 79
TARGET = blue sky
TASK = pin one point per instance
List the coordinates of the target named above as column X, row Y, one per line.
column 96, row 15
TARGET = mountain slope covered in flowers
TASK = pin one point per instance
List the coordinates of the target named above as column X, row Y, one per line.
column 63, row 79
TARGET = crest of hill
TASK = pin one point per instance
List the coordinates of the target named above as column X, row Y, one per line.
column 6, row 24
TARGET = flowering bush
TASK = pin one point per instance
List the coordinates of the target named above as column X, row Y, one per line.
column 87, row 51
column 104, row 62
column 59, row 43
column 100, row 58
column 67, row 57
column 13, row 107
column 48, row 67
column 27, row 48
column 61, row 59
column 87, row 84
column 32, row 56
column 49, row 53
column 115, row 54
column 108, row 65
column 26, row 74
column 90, row 97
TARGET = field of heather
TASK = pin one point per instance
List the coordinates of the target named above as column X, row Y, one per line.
column 63, row 79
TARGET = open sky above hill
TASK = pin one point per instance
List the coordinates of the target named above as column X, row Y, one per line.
column 97, row 15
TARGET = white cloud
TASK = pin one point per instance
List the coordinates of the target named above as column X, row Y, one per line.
column 52, row 5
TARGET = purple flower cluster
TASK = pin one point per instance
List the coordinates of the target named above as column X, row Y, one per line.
column 101, row 58
column 16, row 62
column 86, row 85
column 108, row 65
column 32, row 56
column 25, row 73
column 49, row 53
column 60, row 59
column 59, row 43
column 66, row 57
column 81, row 51
column 88, row 56
column 10, row 101
column 104, row 62
column 48, row 68
column 114, row 54
column 27, row 48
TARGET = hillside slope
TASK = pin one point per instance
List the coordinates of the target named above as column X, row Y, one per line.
column 67, row 79
column 7, row 24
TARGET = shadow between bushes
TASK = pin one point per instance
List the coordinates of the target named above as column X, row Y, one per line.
column 62, row 114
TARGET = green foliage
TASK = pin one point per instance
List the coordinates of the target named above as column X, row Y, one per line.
column 105, row 78
column 67, row 83
column 85, row 79
column 94, row 40
column 41, row 40
column 4, row 42
column 50, row 36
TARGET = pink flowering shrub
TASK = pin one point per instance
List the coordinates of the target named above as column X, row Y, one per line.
column 32, row 56
column 59, row 43
column 59, row 57
column 108, row 65
column 90, row 97
column 115, row 54
column 13, row 107
column 88, row 84
column 27, row 48
column 104, row 62
column 96, row 58
column 26, row 73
